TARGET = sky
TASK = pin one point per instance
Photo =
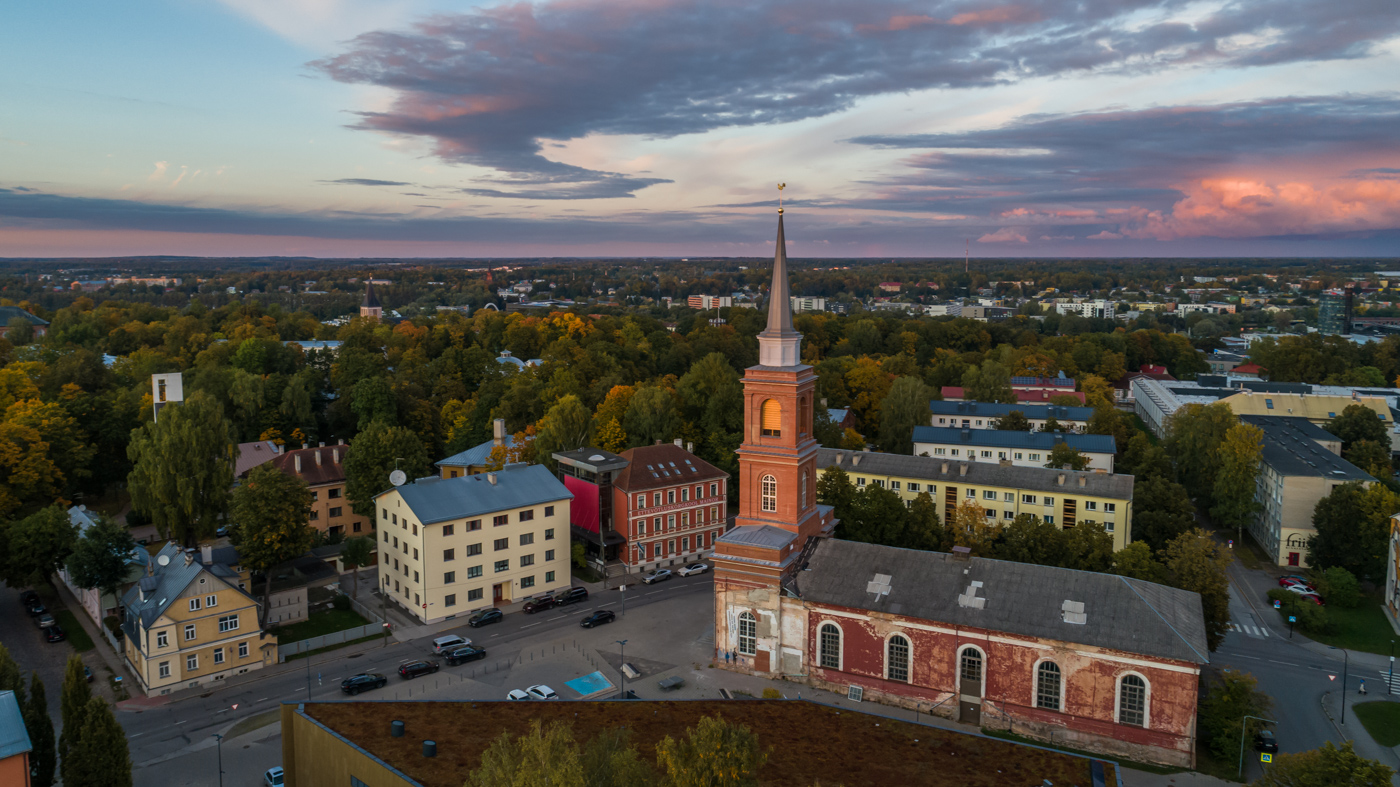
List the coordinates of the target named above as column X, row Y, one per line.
column 447, row 128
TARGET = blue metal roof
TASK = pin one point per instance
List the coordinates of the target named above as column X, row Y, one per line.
column 14, row 738
column 1034, row 441
column 838, row 414
column 475, row 456
column 993, row 410
column 437, row 499
column 1058, row 382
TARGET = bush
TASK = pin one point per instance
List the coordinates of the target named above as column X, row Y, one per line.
column 1312, row 619
column 341, row 601
column 1339, row 586
column 772, row 694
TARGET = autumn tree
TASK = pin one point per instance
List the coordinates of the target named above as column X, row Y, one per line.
column 68, row 447
column 1196, row 562
column 1013, row 421
column 904, row 408
column 270, row 511
column 607, row 419
column 1328, row 766
column 357, row 553
column 27, row 474
column 1233, row 502
column 713, row 753
column 1098, row 392
column 101, row 557
column 543, row 756
column 183, row 468
column 971, row 527
column 377, row 452
column 1064, row 455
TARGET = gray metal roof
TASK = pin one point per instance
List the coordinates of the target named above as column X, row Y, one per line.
column 995, row 410
column 168, row 582
column 1291, row 448
column 14, row 737
column 475, row 456
column 436, row 499
column 759, row 536
column 998, row 438
column 1042, row 479
column 1121, row 614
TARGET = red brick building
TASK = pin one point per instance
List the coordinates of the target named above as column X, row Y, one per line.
column 670, row 506
column 1093, row 661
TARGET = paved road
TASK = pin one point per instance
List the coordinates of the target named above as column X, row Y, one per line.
column 162, row 732
column 27, row 645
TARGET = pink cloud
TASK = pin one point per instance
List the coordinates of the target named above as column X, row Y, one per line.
column 1242, row 208
column 1004, row 235
column 1105, row 235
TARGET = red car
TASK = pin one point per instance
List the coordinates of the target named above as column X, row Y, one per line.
column 1295, row 580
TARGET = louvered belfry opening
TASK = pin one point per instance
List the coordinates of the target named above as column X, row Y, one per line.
column 772, row 418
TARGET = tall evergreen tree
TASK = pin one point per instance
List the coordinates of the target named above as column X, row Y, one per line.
column 73, row 702
column 183, row 468
column 11, row 679
column 100, row 756
column 40, row 726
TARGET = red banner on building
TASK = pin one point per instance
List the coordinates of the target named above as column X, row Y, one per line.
column 583, row 511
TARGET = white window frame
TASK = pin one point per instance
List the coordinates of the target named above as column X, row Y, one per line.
column 840, row 649
column 194, row 604
column 162, row 639
column 228, row 623
column 768, row 485
column 218, row 655
column 163, row 670
column 191, row 661
column 190, row 632
column 957, row 667
column 242, row 650
column 748, row 620
column 1146, row 699
column 909, row 661
column 211, row 601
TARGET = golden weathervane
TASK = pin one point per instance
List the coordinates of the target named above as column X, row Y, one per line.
column 781, row 186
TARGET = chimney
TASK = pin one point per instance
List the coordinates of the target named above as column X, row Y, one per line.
column 498, row 432
column 962, row 469
column 1083, row 479
column 335, row 455
column 296, row 462
column 690, row 448
column 492, row 478
column 341, row 441
column 679, row 442
column 189, row 556
column 206, row 555
column 823, row 402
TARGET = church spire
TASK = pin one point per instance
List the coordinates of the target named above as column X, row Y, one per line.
column 780, row 344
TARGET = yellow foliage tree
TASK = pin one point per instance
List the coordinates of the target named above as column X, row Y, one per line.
column 971, row 527
column 1097, row 391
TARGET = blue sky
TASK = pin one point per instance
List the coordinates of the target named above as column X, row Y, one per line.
column 653, row 127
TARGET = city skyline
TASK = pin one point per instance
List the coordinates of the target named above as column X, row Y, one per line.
column 416, row 128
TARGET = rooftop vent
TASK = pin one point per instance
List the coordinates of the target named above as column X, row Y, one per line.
column 596, row 458
column 880, row 585
column 969, row 598
column 1073, row 612
column 962, row 553
column 492, row 478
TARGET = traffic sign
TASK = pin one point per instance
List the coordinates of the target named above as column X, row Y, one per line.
column 1265, row 757
column 1292, row 618
column 1277, row 604
column 1331, row 677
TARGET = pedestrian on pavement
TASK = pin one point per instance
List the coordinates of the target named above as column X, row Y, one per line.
column 1362, row 690
column 726, row 657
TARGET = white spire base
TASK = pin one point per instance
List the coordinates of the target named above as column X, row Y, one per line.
column 779, row 351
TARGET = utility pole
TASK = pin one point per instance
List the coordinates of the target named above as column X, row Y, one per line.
column 1391, row 676
column 1346, row 660
column 1243, row 727
column 622, row 668
column 220, row 740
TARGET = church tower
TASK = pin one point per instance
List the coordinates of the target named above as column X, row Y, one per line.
column 370, row 307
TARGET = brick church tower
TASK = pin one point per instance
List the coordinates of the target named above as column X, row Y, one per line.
column 370, row 306
column 778, row 511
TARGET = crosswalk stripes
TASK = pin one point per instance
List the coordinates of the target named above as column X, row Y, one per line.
column 1258, row 632
column 1394, row 682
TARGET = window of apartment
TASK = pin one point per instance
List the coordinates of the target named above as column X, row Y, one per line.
column 527, row 539
column 986, row 454
column 1008, row 497
column 1108, row 526
column 1028, row 499
column 474, row 595
column 685, row 519
column 988, row 494
column 502, row 565
column 396, row 542
column 1091, row 505
column 989, row 513
column 714, row 513
column 356, row 527
column 979, row 421
column 940, row 451
column 549, row 534
column 192, row 661
column 475, row 524
column 228, row 623
column 860, row 481
column 894, row 485
column 549, row 510
column 189, row 631
column 1001, row 454
column 450, row 600
column 913, row 486
column 165, row 669
column 448, row 529
column 211, row 601
column 641, row 501
column 1008, row 515
column 383, row 513
column 1035, row 457
column 1049, row 501
column 548, row 555
column 1110, row 508
column 699, row 491
column 527, row 582
column 548, row 577
column 714, row 489
column 656, row 498
column 194, row 604
column 527, row 515
column 670, row 496
column 415, row 553
column 1049, row 519
column 394, row 518
column 333, row 494
column 449, row 577
column 161, row 639
column 1019, row 455
column 971, row 493
column 386, row 535
column 670, row 521
column 473, row 550
column 880, row 482
column 415, row 527
column 473, row 572
column 527, row 560
column 447, row 555
column 315, row 495
column 955, row 452
column 242, row 650
column 685, row 495
column 501, row 543
column 500, row 520
column 218, row 655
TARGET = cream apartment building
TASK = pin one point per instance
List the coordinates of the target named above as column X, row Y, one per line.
column 448, row 546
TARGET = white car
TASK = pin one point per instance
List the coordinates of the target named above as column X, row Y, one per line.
column 273, row 777
column 657, row 576
column 541, row 692
column 517, row 694
column 449, row 642
column 693, row 568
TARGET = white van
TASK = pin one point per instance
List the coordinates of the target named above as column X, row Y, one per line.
column 443, row 644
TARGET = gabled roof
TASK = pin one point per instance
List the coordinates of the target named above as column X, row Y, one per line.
column 996, row 410
column 997, row 438
column 436, row 499
column 167, row 583
column 14, row 737
column 658, row 466
column 1117, row 486
column 250, row 455
column 1119, row 613
column 371, row 300
column 330, row 470
column 476, row 456
column 8, row 313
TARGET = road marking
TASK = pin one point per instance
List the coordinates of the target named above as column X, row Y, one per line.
column 1242, row 656
column 136, row 735
column 264, row 699
column 1289, row 663
column 181, row 722
column 609, row 604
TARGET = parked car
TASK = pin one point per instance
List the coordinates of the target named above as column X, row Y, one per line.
column 539, row 604
column 221, row 532
column 1305, row 592
column 1264, row 741
column 1296, row 578
column 660, row 575
column 35, row 607
column 484, row 617
column 27, row 597
column 541, row 692
column 693, row 568
column 45, row 620
column 273, row 777
column 55, row 633
column 1285, row 582
column 412, row 669
column 598, row 618
column 448, row 642
column 464, row 654
column 87, row 673
column 571, row 596
column 363, row 682
column 517, row 694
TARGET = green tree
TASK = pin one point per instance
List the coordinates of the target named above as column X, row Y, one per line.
column 19, row 331
column 651, row 416
column 357, row 553
column 876, row 515
column 1328, row 766
column 566, row 426
column 1232, row 497
column 1066, row 455
column 100, row 757
column 376, row 452
column 1229, row 698
column 1194, row 435
column 609, row 760
column 296, row 403
column 990, row 382
column 33, row 548
column 1358, row 422
column 1144, row 459
column 1371, row 456
column 825, row 430
column 271, row 510
column 905, row 407
column 543, row 757
column 714, row 753
column 1135, row 560
column 73, row 706
column 40, row 727
column 1030, row 539
column 1339, row 587
column 1196, row 562
column 1014, row 421
column 1161, row 511
column 99, row 558
column 834, row 488
column 183, row 468
column 11, row 679
column 924, row 530
column 1053, row 424
column 1353, row 529
column 1088, row 547
column 373, row 401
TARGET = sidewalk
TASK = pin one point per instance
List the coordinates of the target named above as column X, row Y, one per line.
column 1353, row 730
column 102, row 649
column 406, row 627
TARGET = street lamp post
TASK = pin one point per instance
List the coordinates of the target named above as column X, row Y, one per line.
column 1243, row 728
column 308, row 676
column 1391, row 676
column 1346, row 659
column 622, row 667
column 220, row 740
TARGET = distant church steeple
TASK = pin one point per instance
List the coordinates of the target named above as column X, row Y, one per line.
column 370, row 307
column 779, row 344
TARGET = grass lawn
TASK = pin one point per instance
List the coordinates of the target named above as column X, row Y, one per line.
column 1363, row 628
column 329, row 648
column 319, row 623
column 1381, row 719
column 77, row 635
